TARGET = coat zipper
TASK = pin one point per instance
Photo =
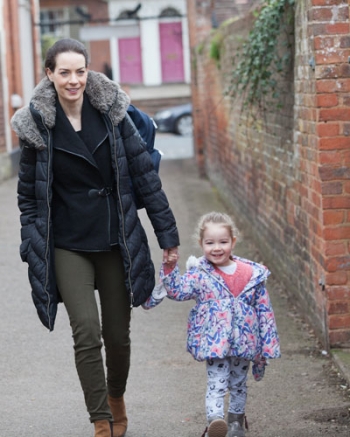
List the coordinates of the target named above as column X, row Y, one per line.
column 122, row 214
column 220, row 281
column 48, row 223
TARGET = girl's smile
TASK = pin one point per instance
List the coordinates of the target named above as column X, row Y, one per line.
column 217, row 244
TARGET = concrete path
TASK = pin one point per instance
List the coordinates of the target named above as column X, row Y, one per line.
column 300, row 396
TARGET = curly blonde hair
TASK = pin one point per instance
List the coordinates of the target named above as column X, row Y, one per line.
column 218, row 218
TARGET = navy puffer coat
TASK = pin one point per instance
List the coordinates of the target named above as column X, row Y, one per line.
column 33, row 125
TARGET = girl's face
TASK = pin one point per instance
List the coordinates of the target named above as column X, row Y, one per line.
column 69, row 77
column 217, row 244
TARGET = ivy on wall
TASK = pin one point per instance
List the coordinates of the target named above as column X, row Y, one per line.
column 215, row 48
column 264, row 57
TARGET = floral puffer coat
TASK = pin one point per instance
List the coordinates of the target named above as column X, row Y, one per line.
column 221, row 325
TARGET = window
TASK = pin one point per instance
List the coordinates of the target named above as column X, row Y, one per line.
column 170, row 12
column 52, row 22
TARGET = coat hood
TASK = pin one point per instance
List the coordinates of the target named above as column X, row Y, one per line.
column 104, row 94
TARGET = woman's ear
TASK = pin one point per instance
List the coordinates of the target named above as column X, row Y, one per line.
column 48, row 74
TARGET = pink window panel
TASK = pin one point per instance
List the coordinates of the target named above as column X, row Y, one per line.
column 130, row 60
column 171, row 50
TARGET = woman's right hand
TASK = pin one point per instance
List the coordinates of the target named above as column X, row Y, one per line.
column 170, row 256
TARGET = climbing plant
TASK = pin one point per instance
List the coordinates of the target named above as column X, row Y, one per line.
column 215, row 48
column 264, row 56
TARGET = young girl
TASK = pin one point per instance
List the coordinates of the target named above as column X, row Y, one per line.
column 232, row 323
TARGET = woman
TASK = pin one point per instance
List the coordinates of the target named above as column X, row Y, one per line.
column 82, row 165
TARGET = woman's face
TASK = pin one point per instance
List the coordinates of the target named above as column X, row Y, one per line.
column 69, row 77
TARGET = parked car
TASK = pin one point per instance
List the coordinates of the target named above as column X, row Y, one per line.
column 177, row 119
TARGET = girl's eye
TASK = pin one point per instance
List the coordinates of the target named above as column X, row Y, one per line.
column 64, row 73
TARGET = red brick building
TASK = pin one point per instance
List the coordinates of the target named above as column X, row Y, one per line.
column 143, row 44
column 286, row 178
column 69, row 23
column 19, row 71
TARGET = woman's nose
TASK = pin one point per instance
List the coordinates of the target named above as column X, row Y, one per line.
column 73, row 78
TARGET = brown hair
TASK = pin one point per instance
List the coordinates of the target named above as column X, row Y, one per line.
column 215, row 217
column 62, row 46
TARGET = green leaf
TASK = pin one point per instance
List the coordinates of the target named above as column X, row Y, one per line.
column 257, row 62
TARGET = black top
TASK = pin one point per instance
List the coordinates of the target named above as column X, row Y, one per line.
column 84, row 207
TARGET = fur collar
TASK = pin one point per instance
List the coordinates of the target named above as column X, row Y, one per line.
column 105, row 95
column 192, row 262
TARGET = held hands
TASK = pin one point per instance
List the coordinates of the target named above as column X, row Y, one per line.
column 170, row 257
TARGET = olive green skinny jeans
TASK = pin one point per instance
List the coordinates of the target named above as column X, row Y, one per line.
column 77, row 273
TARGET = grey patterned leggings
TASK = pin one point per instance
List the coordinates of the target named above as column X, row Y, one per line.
column 222, row 375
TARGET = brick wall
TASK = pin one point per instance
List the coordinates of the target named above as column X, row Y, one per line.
column 305, row 199
column 329, row 25
column 14, row 67
column 199, row 13
column 35, row 17
column 286, row 177
column 2, row 116
column 223, row 9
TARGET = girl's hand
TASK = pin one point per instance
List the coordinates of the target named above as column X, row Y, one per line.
column 258, row 369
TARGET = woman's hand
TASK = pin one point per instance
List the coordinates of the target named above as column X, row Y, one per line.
column 170, row 256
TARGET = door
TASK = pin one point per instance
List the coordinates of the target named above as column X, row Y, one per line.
column 130, row 60
column 171, row 50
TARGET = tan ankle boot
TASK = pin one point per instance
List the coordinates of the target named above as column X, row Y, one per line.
column 120, row 421
column 103, row 428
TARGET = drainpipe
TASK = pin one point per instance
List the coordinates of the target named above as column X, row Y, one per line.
column 322, row 284
column 36, row 43
column 5, row 86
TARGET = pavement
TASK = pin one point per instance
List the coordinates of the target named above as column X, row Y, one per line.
column 303, row 394
column 341, row 358
column 158, row 91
